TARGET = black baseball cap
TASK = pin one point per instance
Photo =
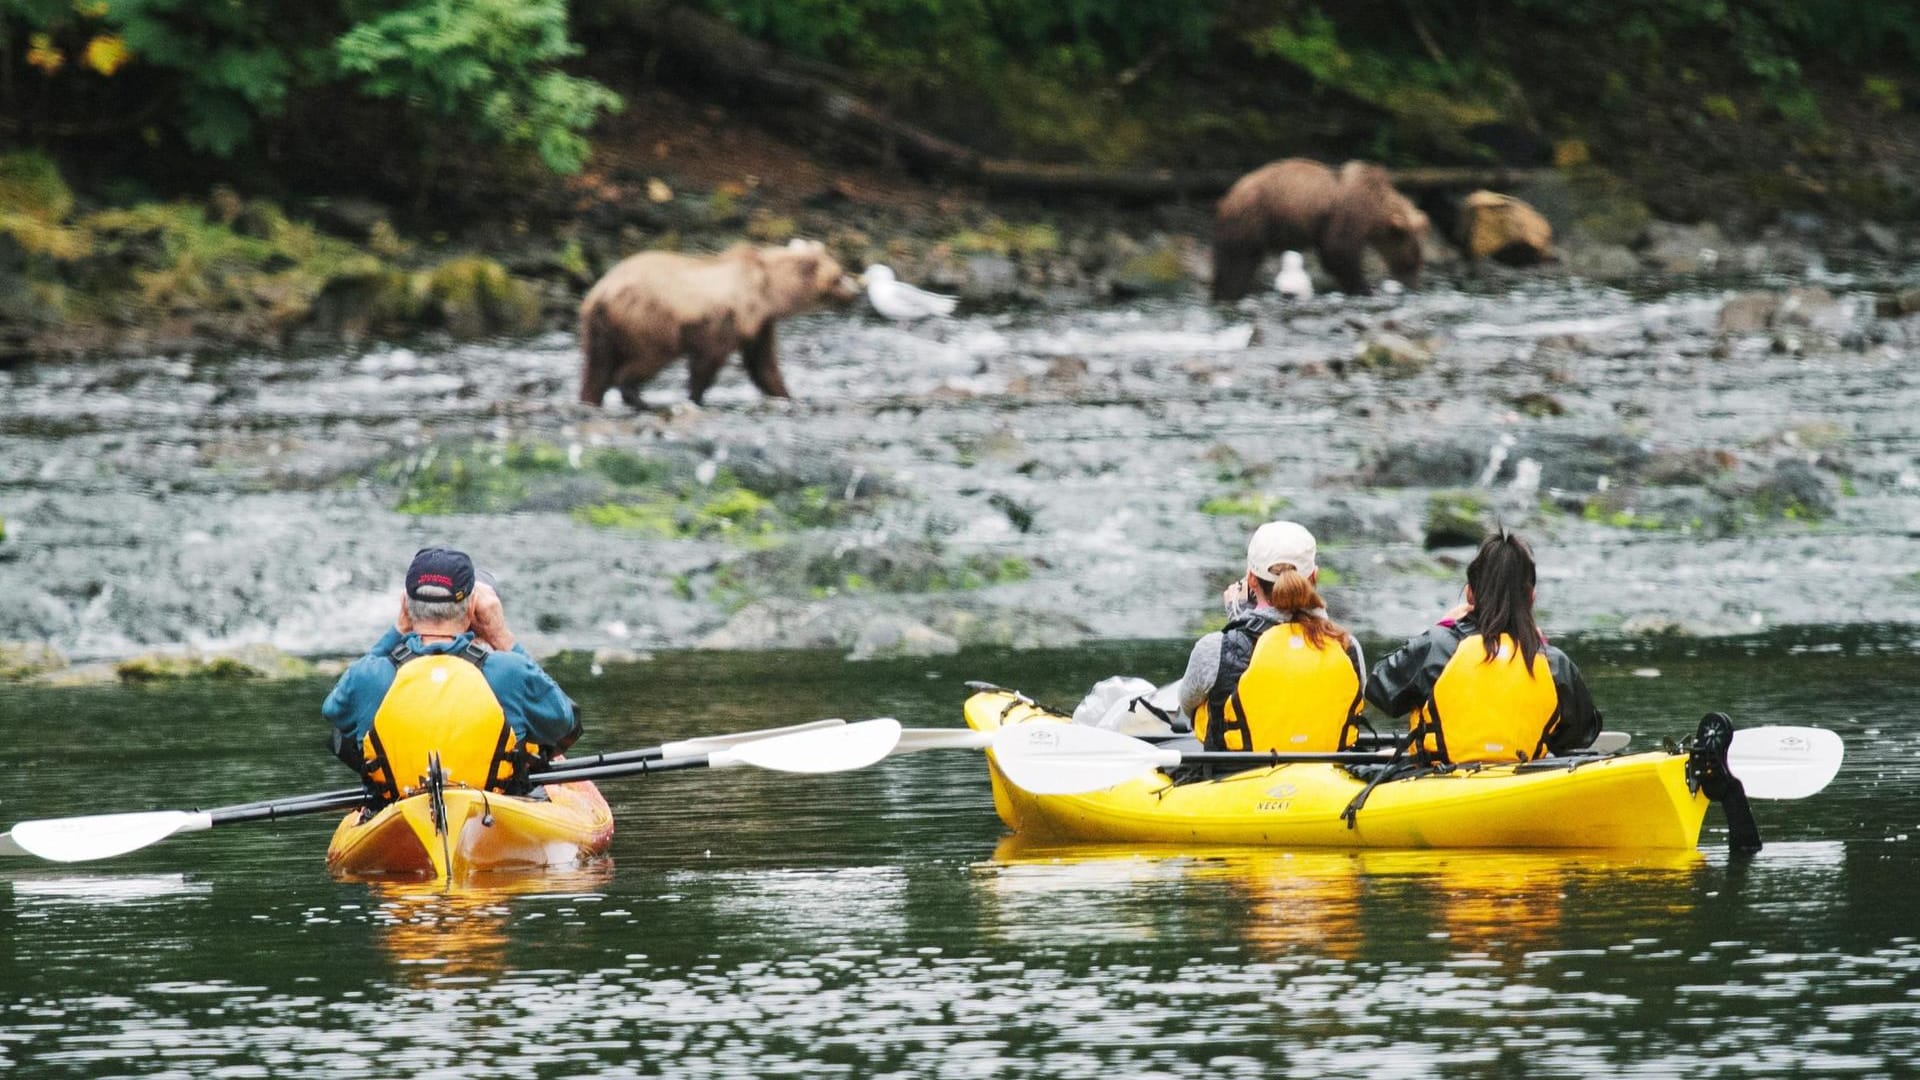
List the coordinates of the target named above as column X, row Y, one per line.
column 443, row 574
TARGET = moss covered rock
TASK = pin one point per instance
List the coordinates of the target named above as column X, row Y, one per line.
column 1456, row 519
column 473, row 296
column 1159, row 270
column 25, row 659
column 1611, row 211
column 246, row 662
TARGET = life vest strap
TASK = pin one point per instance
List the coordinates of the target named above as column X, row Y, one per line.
column 473, row 652
column 377, row 774
column 508, row 767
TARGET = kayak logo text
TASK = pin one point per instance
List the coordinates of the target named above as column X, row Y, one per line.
column 1278, row 799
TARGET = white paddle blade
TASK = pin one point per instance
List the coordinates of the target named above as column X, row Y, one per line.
column 914, row 740
column 83, row 839
column 707, row 744
column 1073, row 759
column 1785, row 762
column 838, row 749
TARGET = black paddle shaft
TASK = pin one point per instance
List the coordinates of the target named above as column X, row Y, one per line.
column 337, row 801
column 1255, row 758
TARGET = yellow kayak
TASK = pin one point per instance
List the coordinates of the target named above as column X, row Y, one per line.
column 1626, row 801
column 485, row 831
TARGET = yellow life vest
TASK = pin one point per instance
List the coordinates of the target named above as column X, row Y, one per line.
column 440, row 702
column 1489, row 711
column 1291, row 696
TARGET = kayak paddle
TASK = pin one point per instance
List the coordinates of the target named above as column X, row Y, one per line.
column 1778, row 762
column 702, row 744
column 1073, row 759
column 823, row 747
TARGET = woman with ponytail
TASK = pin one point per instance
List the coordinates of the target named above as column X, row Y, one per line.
column 1280, row 675
column 1484, row 685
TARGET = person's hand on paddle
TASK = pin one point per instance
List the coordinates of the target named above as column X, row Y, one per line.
column 489, row 618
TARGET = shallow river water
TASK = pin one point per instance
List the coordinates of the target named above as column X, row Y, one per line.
column 1041, row 476
column 883, row 923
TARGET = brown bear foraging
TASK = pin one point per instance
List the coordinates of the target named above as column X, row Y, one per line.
column 1298, row 204
column 658, row 306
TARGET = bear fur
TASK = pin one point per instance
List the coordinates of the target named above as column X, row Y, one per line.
column 1298, row 204
column 658, row 306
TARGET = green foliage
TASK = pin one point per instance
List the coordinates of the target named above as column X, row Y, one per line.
column 1080, row 35
column 34, row 204
column 1431, row 94
column 1720, row 106
column 30, row 184
column 1882, row 92
column 486, row 68
column 1051, row 74
column 485, row 64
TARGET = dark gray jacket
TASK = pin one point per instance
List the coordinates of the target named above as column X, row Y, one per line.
column 1404, row 681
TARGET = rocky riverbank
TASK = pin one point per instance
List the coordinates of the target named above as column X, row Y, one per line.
column 1699, row 455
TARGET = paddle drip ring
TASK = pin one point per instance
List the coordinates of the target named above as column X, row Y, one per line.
column 1707, row 773
column 437, row 792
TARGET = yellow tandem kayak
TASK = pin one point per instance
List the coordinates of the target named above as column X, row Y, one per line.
column 1627, row 801
column 485, row 831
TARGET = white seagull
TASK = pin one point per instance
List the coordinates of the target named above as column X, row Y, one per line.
column 1293, row 280
column 898, row 300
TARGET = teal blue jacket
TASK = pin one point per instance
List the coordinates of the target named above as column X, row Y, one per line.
column 536, row 708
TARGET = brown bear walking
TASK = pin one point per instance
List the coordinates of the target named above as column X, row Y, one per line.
column 657, row 306
column 1298, row 204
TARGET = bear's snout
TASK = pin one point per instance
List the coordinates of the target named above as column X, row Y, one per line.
column 845, row 290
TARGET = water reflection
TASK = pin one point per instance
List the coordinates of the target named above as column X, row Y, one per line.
column 105, row 890
column 436, row 931
column 1334, row 902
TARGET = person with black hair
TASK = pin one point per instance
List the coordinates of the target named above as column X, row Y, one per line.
column 1484, row 685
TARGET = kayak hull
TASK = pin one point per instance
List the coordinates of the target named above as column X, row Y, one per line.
column 486, row 832
column 1625, row 801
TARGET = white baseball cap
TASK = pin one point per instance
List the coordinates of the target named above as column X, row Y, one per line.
column 1279, row 542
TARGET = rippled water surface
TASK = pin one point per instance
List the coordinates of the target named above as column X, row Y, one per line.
column 882, row 923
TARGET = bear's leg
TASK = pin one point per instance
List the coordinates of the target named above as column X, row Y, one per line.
column 707, row 345
column 644, row 358
column 1346, row 269
column 600, row 354
column 703, row 367
column 1234, row 265
column 762, row 355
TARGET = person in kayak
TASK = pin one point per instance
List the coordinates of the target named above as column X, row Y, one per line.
column 448, row 678
column 1513, row 700
column 1280, row 675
